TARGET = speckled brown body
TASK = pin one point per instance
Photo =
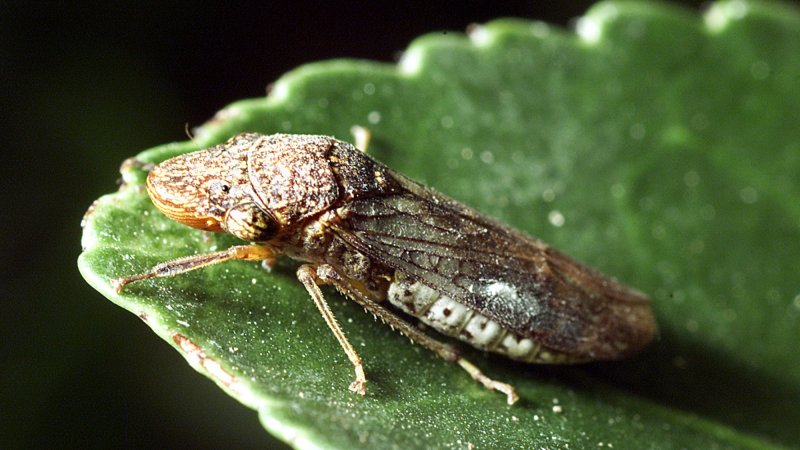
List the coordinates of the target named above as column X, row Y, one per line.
column 320, row 200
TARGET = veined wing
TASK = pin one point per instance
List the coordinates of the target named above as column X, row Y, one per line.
column 517, row 281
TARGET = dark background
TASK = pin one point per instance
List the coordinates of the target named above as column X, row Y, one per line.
column 84, row 87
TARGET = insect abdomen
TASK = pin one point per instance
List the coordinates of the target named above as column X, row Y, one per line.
column 457, row 320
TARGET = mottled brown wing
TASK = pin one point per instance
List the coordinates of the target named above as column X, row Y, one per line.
column 518, row 281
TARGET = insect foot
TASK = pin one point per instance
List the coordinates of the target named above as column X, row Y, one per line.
column 308, row 275
column 359, row 387
column 492, row 385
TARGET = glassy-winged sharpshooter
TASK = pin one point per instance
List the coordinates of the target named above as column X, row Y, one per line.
column 397, row 248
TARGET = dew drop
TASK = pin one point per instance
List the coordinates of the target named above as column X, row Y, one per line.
column 637, row 131
column 691, row 179
column 556, row 218
column 617, row 190
column 647, row 204
column 749, row 195
column 659, row 232
column 374, row 117
column 447, row 122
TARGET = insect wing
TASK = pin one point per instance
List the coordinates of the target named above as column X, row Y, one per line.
column 517, row 281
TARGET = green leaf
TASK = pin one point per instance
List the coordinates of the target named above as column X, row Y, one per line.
column 657, row 145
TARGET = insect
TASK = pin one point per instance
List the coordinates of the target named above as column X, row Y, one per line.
column 398, row 249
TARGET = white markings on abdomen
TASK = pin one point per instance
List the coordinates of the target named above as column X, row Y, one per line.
column 457, row 320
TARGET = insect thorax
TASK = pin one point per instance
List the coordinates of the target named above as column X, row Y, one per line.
column 457, row 320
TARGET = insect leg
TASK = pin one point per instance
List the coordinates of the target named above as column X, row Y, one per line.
column 446, row 352
column 307, row 274
column 188, row 263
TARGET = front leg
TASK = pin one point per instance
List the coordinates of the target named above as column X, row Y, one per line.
column 188, row 263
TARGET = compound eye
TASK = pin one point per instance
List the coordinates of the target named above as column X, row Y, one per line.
column 250, row 223
column 218, row 194
column 219, row 189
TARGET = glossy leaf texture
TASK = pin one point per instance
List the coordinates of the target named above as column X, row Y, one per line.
column 656, row 144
